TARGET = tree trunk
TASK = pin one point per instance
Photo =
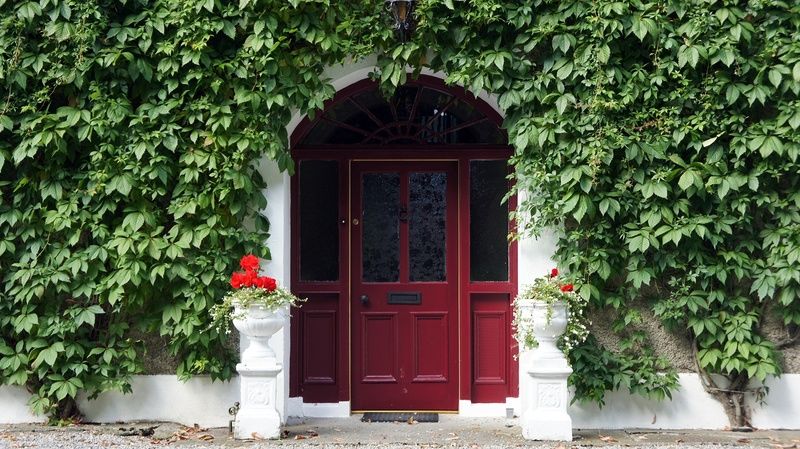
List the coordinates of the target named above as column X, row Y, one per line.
column 732, row 397
column 67, row 410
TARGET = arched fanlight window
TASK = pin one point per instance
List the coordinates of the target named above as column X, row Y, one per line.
column 417, row 115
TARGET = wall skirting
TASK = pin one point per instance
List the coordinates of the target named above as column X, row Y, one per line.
column 165, row 398
column 298, row 408
column 481, row 410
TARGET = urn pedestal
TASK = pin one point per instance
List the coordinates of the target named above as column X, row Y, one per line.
column 545, row 414
column 258, row 416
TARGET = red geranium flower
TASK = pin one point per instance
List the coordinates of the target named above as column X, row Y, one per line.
column 554, row 272
column 567, row 288
column 237, row 279
column 249, row 263
column 249, row 278
column 267, row 283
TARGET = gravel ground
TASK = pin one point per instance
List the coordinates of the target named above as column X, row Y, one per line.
column 340, row 434
column 92, row 440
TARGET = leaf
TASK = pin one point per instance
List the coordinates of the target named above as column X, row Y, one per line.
column 6, row 123
column 564, row 72
column 564, row 101
column 710, row 141
column 86, row 316
column 771, row 145
column 731, row 93
column 727, row 57
column 637, row 26
column 660, row 189
column 172, row 312
column 775, row 77
column 687, row 179
column 47, row 356
column 583, row 206
column 603, row 54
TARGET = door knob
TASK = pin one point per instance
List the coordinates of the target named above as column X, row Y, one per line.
column 364, row 300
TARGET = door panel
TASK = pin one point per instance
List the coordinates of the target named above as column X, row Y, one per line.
column 431, row 347
column 379, row 358
column 404, row 224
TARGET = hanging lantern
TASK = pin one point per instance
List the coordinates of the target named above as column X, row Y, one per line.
column 402, row 12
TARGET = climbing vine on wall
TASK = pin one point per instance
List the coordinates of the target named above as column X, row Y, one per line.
column 660, row 140
column 130, row 133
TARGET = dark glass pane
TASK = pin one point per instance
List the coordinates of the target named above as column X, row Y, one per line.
column 488, row 221
column 351, row 114
column 464, row 111
column 427, row 210
column 325, row 132
column 376, row 104
column 484, row 132
column 413, row 115
column 434, row 115
column 403, row 101
column 380, row 227
column 319, row 220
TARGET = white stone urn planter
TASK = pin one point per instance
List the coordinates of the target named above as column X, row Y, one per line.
column 258, row 416
column 544, row 416
column 259, row 324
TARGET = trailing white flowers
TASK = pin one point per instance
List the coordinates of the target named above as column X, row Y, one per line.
column 551, row 289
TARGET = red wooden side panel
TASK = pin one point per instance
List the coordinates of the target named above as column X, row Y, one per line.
column 380, row 337
column 319, row 355
column 319, row 347
column 430, row 348
column 491, row 335
column 490, row 354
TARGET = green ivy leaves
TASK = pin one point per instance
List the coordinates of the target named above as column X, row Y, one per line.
column 661, row 140
column 129, row 134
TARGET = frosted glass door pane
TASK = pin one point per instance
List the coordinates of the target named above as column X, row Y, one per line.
column 427, row 238
column 380, row 227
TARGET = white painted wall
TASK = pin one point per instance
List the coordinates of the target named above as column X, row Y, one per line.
column 278, row 212
column 690, row 408
column 164, row 398
column 782, row 409
column 14, row 406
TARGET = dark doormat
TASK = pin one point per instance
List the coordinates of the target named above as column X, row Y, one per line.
column 400, row 417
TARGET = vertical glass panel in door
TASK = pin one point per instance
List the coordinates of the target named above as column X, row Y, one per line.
column 488, row 221
column 319, row 220
column 380, row 229
column 427, row 240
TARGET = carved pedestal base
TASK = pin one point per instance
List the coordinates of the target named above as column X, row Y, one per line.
column 546, row 417
column 545, row 414
column 258, row 418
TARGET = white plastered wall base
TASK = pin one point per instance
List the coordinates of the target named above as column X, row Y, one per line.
column 298, row 408
column 480, row 410
column 14, row 406
column 165, row 398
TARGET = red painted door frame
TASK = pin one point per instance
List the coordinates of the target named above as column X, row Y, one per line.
column 321, row 360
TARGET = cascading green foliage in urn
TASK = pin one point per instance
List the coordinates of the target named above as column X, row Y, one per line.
column 659, row 139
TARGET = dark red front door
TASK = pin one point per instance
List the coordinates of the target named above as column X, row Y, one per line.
column 404, row 221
